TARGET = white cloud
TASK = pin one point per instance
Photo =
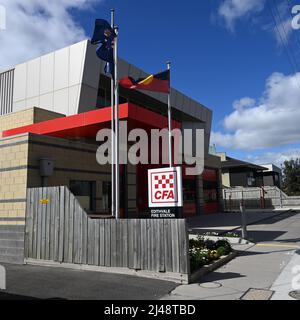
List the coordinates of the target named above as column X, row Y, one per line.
column 243, row 103
column 35, row 27
column 276, row 158
column 233, row 10
column 272, row 121
column 281, row 22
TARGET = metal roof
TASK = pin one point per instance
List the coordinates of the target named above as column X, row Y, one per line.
column 235, row 163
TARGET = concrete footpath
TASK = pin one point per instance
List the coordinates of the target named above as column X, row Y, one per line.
column 264, row 265
column 288, row 280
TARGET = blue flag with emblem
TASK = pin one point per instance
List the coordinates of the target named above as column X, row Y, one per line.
column 104, row 36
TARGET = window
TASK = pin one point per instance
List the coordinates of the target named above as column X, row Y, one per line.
column 106, row 196
column 189, row 190
column 210, row 190
column 85, row 192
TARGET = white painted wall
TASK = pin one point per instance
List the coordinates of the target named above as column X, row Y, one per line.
column 52, row 82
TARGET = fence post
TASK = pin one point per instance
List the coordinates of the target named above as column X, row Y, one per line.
column 244, row 221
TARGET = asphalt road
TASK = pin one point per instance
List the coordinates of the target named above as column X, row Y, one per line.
column 31, row 282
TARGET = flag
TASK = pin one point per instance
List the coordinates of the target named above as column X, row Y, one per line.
column 158, row 83
column 104, row 36
column 103, row 32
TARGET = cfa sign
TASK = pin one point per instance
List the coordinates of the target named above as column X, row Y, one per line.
column 165, row 187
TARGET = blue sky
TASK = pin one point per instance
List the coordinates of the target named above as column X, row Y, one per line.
column 224, row 53
column 211, row 62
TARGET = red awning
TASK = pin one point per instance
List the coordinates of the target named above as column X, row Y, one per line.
column 87, row 124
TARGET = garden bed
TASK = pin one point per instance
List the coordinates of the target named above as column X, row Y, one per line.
column 233, row 239
column 206, row 255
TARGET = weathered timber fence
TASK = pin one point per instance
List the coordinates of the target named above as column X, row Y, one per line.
column 58, row 229
column 257, row 198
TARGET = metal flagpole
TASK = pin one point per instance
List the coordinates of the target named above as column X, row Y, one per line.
column 170, row 121
column 117, row 151
column 112, row 132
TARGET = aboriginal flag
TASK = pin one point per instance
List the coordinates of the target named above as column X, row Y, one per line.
column 158, row 83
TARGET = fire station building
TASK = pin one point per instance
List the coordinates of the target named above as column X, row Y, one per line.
column 51, row 109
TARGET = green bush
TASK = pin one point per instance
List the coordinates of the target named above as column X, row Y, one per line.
column 225, row 245
column 210, row 244
column 197, row 244
column 203, row 252
column 222, row 251
column 193, row 243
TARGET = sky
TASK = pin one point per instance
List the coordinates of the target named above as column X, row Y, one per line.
column 240, row 58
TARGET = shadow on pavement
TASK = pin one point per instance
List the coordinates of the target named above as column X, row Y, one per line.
column 214, row 276
column 264, row 236
column 224, row 222
column 253, row 253
column 9, row 296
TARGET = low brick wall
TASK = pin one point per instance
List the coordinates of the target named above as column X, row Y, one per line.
column 12, row 244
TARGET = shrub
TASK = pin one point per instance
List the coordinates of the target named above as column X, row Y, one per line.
column 210, row 244
column 231, row 235
column 202, row 257
column 202, row 252
column 225, row 245
column 193, row 243
column 200, row 240
column 222, row 251
column 214, row 254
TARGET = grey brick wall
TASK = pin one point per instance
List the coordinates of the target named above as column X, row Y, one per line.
column 12, row 244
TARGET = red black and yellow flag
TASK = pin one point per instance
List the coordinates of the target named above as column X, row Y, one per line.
column 158, row 83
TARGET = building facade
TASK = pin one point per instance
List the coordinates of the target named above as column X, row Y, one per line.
column 51, row 109
column 238, row 173
column 271, row 176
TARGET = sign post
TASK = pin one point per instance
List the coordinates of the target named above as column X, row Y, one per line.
column 165, row 192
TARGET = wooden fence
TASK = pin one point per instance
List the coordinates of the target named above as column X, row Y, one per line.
column 58, row 229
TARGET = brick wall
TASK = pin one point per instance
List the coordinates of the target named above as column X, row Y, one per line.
column 13, row 179
column 26, row 117
column 17, row 119
column 13, row 183
column 73, row 160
